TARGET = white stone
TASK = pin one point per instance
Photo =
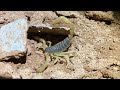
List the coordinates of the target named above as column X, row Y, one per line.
column 13, row 38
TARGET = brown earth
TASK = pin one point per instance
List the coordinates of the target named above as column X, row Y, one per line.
column 97, row 44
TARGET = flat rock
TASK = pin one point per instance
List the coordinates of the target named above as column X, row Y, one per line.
column 41, row 21
column 100, row 15
column 74, row 14
column 13, row 39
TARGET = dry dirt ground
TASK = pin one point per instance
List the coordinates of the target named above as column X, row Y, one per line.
column 96, row 43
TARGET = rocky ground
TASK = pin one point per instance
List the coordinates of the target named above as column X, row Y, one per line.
column 96, row 43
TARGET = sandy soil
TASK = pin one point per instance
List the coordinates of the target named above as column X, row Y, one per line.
column 97, row 44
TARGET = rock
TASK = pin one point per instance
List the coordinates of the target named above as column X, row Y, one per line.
column 13, row 39
column 25, row 73
column 9, row 16
column 93, row 75
column 41, row 21
column 110, row 74
column 7, row 71
column 41, row 16
column 61, row 75
column 101, row 63
column 100, row 15
column 68, row 13
column 38, row 76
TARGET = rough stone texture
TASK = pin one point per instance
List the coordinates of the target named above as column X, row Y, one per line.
column 97, row 45
column 41, row 22
column 41, row 16
column 101, row 63
column 8, row 16
column 13, row 39
column 93, row 74
column 111, row 72
column 100, row 15
column 68, row 13
column 38, row 76
column 8, row 71
column 25, row 73
column 57, row 72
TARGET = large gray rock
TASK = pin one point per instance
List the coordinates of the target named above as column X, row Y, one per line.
column 13, row 39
